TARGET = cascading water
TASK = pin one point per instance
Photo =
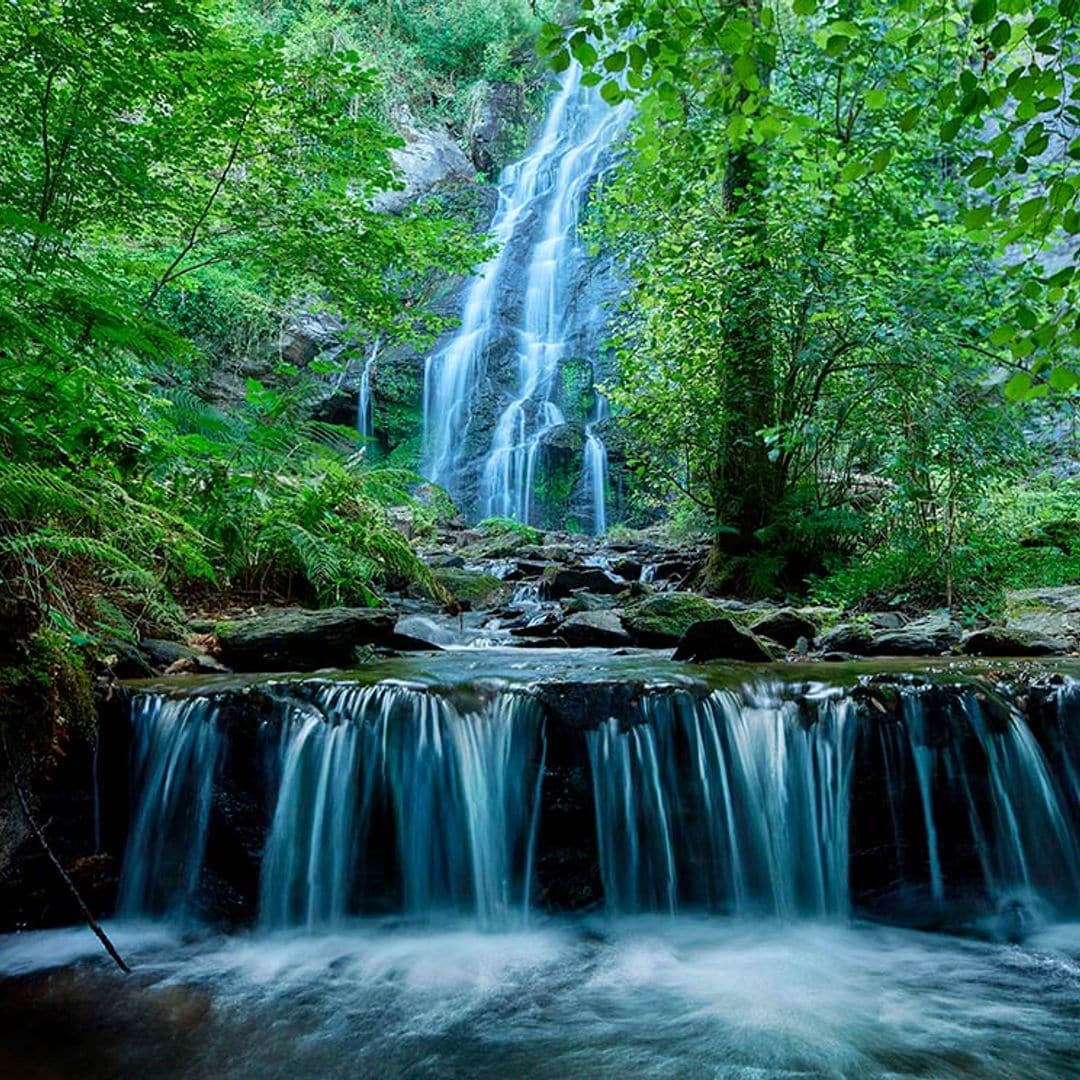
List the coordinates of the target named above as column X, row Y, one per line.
column 365, row 417
column 523, row 295
column 596, row 469
column 738, row 806
column 780, row 800
column 176, row 752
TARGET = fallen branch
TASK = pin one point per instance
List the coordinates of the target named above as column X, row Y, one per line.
column 87, row 914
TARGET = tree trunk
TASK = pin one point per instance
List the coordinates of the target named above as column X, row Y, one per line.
column 747, row 485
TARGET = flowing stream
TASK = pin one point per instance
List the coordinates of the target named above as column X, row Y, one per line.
column 580, row 870
column 522, row 303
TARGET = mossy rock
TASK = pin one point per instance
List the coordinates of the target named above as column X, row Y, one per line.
column 470, row 587
column 661, row 620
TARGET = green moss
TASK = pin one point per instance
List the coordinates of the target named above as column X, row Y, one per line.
column 44, row 692
column 664, row 618
column 480, row 590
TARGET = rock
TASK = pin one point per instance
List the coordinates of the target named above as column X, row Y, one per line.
column 559, row 582
column 603, row 629
column 167, row 655
column 470, row 588
column 628, row 569
column 429, row 159
column 849, row 638
column 659, row 621
column 540, row 626
column 886, row 620
column 587, row 601
column 931, row 635
column 721, row 639
column 294, row 639
column 1050, row 613
column 496, row 117
column 785, row 627
column 1001, row 641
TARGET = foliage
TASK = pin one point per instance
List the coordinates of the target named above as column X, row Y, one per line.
column 504, row 526
column 806, row 279
column 170, row 175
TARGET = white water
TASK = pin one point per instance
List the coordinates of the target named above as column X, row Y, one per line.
column 535, row 230
column 177, row 747
column 645, row 997
column 596, row 469
column 365, row 417
column 384, row 788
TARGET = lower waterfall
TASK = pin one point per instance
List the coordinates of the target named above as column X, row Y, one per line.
column 779, row 800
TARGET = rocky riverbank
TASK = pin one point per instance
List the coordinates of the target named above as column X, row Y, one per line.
column 523, row 588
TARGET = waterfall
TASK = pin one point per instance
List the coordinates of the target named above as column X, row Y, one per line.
column 947, row 803
column 522, row 295
column 733, row 805
column 596, row 469
column 365, row 417
column 454, row 786
column 176, row 750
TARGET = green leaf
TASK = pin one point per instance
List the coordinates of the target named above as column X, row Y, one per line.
column 1018, row 387
column 804, row 7
column 982, row 11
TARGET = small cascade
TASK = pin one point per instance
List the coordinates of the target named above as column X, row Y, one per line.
column 733, row 805
column 365, row 416
column 176, row 751
column 522, row 300
column 455, row 785
column 596, row 470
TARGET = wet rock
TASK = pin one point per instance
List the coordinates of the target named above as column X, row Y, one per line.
column 559, row 582
column 1000, row 641
column 721, row 639
column 587, row 601
column 659, row 621
column 1049, row 613
column 849, row 638
column 785, row 627
column 931, row 635
column 602, row 629
column 294, row 639
column 167, row 655
column 470, row 588
column 494, row 124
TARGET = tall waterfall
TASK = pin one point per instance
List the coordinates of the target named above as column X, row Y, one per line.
column 521, row 301
column 779, row 800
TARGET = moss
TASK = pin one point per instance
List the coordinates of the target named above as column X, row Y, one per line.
column 45, row 693
column 480, row 590
column 664, row 618
column 577, row 397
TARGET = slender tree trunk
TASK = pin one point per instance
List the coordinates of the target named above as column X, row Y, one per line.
column 747, row 485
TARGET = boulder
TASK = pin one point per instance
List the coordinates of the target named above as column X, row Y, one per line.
column 848, row 638
column 428, row 159
column 931, row 635
column 559, row 582
column 785, row 627
column 172, row 655
column 603, row 629
column 1001, row 641
column 659, row 621
column 1050, row 613
column 495, row 121
column 294, row 639
column 471, row 588
column 721, row 639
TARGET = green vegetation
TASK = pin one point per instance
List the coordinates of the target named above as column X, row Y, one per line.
column 172, row 176
column 842, row 286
